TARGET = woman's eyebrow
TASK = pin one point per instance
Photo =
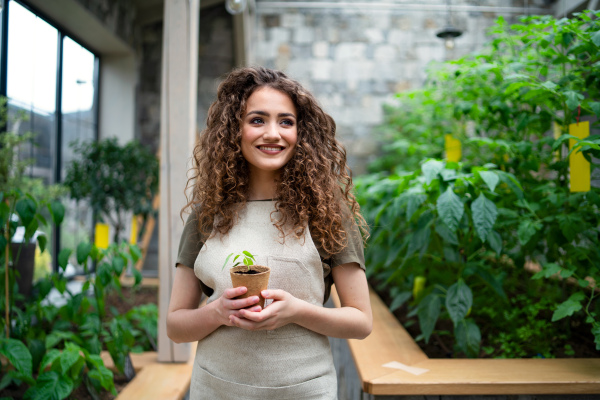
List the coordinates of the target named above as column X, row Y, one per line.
column 266, row 114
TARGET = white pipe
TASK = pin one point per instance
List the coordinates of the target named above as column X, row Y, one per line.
column 264, row 5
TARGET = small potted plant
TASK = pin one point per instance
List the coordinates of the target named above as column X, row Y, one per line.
column 246, row 273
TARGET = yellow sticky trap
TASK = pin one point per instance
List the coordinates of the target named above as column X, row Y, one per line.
column 453, row 148
column 134, row 231
column 557, row 132
column 101, row 236
column 579, row 167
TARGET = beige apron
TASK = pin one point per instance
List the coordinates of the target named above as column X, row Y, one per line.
column 291, row 362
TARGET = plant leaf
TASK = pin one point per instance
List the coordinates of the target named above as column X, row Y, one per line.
column 445, row 233
column 42, row 241
column 57, row 211
column 26, row 209
column 17, row 354
column 50, row 386
column 568, row 307
column 526, row 230
column 83, row 252
column 428, row 313
column 63, row 258
column 495, row 241
column 459, row 299
column 490, row 178
column 450, row 209
column 399, row 300
column 468, row 337
column 484, row 216
column 431, row 169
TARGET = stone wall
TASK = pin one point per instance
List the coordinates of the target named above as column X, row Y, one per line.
column 215, row 59
column 355, row 60
column 118, row 16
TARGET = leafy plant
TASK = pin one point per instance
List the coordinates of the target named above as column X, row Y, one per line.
column 116, row 179
column 460, row 241
column 247, row 259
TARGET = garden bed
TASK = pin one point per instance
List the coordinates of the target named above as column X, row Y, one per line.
column 414, row 373
column 580, row 340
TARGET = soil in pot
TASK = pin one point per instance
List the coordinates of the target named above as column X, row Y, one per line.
column 255, row 278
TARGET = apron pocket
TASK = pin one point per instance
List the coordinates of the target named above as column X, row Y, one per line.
column 205, row 386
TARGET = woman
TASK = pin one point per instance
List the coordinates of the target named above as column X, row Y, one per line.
column 269, row 177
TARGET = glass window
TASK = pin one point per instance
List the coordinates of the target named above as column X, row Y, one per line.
column 58, row 112
column 78, row 124
column 31, row 86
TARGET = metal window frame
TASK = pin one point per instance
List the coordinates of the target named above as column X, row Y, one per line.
column 62, row 34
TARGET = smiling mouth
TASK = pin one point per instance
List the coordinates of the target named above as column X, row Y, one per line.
column 271, row 148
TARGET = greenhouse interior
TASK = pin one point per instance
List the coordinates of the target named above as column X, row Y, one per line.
column 471, row 138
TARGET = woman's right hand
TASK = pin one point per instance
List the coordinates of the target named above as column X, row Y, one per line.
column 228, row 305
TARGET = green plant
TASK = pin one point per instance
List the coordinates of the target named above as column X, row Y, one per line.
column 501, row 104
column 247, row 259
column 116, row 179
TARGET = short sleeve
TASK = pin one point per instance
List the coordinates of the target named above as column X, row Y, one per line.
column 191, row 242
column 353, row 252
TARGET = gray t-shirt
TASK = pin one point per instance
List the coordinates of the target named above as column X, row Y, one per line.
column 192, row 241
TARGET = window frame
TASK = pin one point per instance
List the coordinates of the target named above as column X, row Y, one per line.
column 62, row 34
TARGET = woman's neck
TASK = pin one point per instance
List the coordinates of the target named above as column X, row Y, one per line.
column 262, row 185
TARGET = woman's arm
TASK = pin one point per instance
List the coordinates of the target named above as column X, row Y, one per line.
column 353, row 320
column 188, row 323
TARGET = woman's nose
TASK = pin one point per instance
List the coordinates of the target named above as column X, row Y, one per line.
column 271, row 132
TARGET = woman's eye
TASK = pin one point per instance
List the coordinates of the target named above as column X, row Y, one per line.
column 256, row 121
column 288, row 122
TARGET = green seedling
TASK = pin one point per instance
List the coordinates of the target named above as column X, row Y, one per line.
column 247, row 259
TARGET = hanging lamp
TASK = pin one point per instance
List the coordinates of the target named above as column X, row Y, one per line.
column 449, row 32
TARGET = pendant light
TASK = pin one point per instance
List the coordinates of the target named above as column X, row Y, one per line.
column 449, row 32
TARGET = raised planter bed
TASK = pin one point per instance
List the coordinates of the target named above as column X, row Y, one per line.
column 362, row 374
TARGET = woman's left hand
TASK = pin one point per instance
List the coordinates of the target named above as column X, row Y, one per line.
column 279, row 313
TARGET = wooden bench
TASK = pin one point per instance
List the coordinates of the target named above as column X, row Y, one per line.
column 155, row 380
column 389, row 342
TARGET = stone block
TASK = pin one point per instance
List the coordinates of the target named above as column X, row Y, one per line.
column 320, row 49
column 427, row 53
column 303, row 35
column 299, row 70
column 284, row 54
column 271, row 20
column 321, row 69
column 267, row 50
column 279, row 35
column 400, row 38
column 385, row 52
column 292, row 20
column 350, row 51
column 374, row 35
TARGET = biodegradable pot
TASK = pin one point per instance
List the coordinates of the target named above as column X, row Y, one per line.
column 255, row 282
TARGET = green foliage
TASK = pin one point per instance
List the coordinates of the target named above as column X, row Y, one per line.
column 54, row 349
column 115, row 179
column 247, row 259
column 464, row 226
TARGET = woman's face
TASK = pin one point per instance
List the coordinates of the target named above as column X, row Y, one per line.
column 269, row 130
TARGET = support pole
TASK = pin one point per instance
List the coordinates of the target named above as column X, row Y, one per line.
column 177, row 139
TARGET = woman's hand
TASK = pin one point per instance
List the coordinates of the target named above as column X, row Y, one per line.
column 227, row 305
column 279, row 313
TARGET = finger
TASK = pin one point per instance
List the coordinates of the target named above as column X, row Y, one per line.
column 275, row 294
column 241, row 303
column 256, row 316
column 242, row 323
column 234, row 292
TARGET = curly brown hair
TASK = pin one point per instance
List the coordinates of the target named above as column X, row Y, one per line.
column 311, row 185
